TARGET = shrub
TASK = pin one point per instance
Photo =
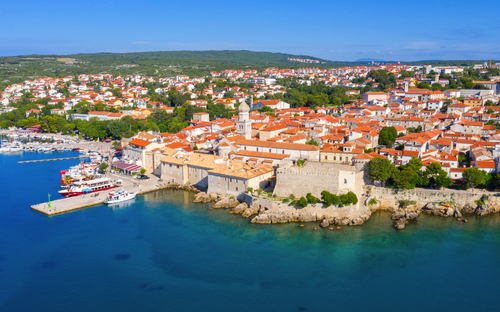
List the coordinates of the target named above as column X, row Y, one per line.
column 479, row 202
column 259, row 191
column 405, row 203
column 311, row 199
column 250, row 189
column 302, row 202
column 292, row 197
column 143, row 171
column 274, row 195
column 349, row 199
column 301, row 163
column 372, row 201
column 330, row 199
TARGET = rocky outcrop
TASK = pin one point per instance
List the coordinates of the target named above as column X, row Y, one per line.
column 226, row 202
column 325, row 223
column 402, row 216
column 239, row 209
column 253, row 209
column 400, row 223
column 351, row 215
column 441, row 209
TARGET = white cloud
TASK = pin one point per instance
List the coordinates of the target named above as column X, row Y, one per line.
column 142, row 42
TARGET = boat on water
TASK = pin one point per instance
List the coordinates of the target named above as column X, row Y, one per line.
column 118, row 197
column 87, row 187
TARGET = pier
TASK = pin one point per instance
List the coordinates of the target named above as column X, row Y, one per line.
column 64, row 205
column 50, row 159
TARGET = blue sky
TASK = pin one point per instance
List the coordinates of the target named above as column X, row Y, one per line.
column 334, row 30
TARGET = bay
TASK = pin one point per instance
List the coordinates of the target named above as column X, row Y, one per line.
column 164, row 253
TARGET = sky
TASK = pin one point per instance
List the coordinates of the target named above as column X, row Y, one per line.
column 333, row 30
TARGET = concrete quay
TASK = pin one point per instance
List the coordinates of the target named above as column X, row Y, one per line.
column 130, row 184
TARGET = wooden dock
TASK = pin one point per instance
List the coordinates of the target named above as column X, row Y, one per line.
column 50, row 159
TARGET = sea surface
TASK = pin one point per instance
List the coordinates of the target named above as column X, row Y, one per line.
column 164, row 253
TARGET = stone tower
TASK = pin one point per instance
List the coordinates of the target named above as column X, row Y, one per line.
column 243, row 125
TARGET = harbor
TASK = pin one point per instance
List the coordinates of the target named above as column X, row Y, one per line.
column 64, row 205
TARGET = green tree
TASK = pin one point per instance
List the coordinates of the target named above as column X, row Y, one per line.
column 443, row 180
column 313, row 142
column 473, row 177
column 387, row 136
column 405, row 178
column 103, row 167
column 380, row 169
column 143, row 171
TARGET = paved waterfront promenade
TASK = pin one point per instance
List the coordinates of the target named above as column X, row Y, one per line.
column 78, row 202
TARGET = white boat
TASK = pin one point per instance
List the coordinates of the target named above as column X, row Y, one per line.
column 86, row 187
column 118, row 197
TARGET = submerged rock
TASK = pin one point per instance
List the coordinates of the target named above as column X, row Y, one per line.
column 324, row 223
column 400, row 223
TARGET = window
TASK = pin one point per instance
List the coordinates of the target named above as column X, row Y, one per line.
column 177, row 166
column 170, row 165
column 334, row 157
column 269, row 150
column 236, row 189
column 218, row 184
column 345, row 181
column 340, row 158
column 212, row 183
column 326, row 157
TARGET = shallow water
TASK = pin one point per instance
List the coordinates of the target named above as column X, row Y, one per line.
column 164, row 253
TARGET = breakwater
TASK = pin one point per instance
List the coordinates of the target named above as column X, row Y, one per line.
column 50, row 159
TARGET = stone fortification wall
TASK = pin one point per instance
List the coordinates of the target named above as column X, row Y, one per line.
column 389, row 198
column 316, row 177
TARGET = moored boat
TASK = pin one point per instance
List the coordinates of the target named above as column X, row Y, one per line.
column 87, row 187
column 118, row 197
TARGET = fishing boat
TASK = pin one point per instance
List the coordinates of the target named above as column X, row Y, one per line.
column 118, row 197
column 87, row 187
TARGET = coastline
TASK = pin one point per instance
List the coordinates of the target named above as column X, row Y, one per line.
column 404, row 205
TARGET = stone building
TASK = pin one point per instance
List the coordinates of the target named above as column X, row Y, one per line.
column 315, row 177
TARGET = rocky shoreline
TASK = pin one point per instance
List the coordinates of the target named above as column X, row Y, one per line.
column 268, row 211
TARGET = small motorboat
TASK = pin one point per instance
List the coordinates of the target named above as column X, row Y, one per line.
column 118, row 197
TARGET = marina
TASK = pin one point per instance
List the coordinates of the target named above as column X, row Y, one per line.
column 64, row 205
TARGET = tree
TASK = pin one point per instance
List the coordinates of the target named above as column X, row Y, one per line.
column 103, row 167
column 387, row 136
column 143, row 171
column 473, row 177
column 302, row 202
column 404, row 178
column 313, row 142
column 443, row 180
column 380, row 169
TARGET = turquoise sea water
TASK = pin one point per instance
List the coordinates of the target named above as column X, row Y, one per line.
column 164, row 253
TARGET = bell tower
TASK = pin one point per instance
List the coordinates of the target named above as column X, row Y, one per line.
column 243, row 125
